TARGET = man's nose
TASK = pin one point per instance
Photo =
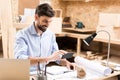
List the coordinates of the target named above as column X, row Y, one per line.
column 47, row 24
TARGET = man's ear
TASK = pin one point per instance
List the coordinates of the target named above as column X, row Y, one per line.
column 36, row 16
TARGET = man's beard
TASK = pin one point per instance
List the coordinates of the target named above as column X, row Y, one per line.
column 43, row 28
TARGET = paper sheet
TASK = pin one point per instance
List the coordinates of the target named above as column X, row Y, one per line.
column 56, row 70
column 94, row 67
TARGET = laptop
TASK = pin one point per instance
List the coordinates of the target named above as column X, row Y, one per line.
column 14, row 69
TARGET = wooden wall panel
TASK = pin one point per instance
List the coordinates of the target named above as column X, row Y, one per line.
column 6, row 24
column 26, row 4
column 87, row 12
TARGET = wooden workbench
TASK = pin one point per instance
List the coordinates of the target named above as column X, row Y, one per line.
column 80, row 37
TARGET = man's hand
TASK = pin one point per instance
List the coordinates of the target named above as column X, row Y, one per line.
column 71, row 66
column 68, row 64
column 56, row 55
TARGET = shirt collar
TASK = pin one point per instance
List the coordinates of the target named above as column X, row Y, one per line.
column 33, row 30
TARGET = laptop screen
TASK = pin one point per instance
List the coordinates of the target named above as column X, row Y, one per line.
column 14, row 69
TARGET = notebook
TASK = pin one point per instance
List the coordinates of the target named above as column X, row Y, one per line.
column 14, row 69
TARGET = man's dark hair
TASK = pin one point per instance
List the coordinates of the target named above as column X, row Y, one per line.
column 44, row 10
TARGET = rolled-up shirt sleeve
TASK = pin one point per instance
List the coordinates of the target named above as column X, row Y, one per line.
column 20, row 48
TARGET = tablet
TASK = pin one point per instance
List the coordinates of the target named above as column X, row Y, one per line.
column 68, row 55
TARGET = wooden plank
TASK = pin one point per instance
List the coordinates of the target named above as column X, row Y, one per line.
column 4, row 14
column 12, row 31
column 0, row 32
column 78, row 46
column 7, row 28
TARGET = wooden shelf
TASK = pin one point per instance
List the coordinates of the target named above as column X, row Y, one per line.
column 84, row 30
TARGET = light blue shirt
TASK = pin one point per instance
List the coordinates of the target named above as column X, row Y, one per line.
column 29, row 43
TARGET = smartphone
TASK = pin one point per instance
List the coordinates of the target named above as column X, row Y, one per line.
column 68, row 55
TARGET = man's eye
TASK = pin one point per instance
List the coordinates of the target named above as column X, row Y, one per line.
column 45, row 21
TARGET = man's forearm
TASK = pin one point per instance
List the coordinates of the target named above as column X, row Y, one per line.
column 35, row 60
